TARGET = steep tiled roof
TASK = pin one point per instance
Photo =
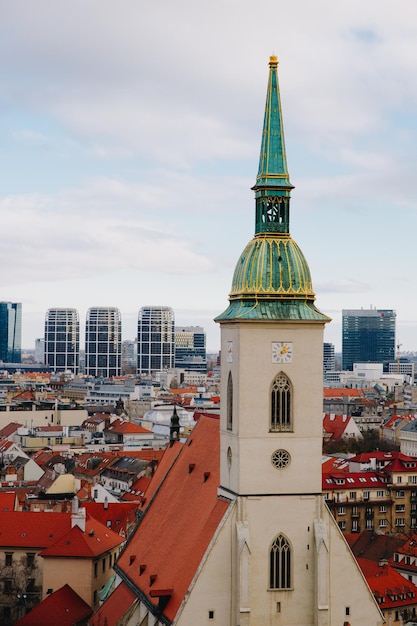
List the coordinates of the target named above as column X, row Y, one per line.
column 335, row 425
column 371, row 546
column 8, row 500
column 116, row 605
column 96, row 540
column 390, row 588
column 63, row 608
column 8, row 430
column 336, row 392
column 28, row 529
column 164, row 563
column 115, row 515
column 352, row 480
column 125, row 427
column 137, row 490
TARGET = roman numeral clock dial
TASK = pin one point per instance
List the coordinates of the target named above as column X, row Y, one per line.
column 281, row 352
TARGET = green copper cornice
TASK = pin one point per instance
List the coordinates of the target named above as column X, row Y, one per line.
column 273, row 170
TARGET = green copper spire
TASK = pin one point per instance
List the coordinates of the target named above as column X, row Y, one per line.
column 272, row 279
column 272, row 188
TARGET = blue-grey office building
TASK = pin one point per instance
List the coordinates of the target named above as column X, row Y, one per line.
column 11, row 332
column 368, row 336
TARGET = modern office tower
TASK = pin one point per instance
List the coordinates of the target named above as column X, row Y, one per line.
column 190, row 348
column 156, row 339
column 368, row 336
column 62, row 340
column 40, row 350
column 328, row 357
column 129, row 356
column 10, row 332
column 103, row 342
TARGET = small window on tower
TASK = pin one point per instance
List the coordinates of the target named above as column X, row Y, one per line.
column 230, row 402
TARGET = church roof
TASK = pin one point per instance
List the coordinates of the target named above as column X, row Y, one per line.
column 272, row 278
column 160, row 566
column 63, row 607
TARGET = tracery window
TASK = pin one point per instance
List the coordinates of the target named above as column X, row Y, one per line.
column 280, row 563
column 281, row 405
column 229, row 423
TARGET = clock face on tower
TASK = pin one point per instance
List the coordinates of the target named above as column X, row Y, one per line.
column 281, row 352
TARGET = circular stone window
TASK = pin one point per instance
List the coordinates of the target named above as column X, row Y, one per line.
column 280, row 459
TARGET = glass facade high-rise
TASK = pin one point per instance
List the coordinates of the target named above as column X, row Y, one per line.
column 62, row 340
column 328, row 357
column 103, row 342
column 190, row 348
column 368, row 336
column 156, row 339
column 10, row 332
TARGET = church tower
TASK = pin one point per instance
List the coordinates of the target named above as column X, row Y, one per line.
column 272, row 409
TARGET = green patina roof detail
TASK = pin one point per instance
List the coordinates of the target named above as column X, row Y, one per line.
column 273, row 161
column 272, row 266
column 300, row 310
column 272, row 279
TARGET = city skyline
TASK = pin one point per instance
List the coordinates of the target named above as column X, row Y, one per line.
column 128, row 157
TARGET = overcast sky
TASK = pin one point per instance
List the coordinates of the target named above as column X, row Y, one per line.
column 129, row 141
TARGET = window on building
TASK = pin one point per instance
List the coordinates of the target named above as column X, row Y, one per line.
column 399, row 508
column 341, row 510
column 383, row 522
column 366, row 495
column 342, row 525
column 280, row 563
column 8, row 587
column 95, row 569
column 103, row 565
column 352, row 495
column 30, row 559
column 369, row 524
column 281, row 405
column 400, row 493
column 382, row 508
column 229, row 424
column 355, row 526
column 400, row 521
column 379, row 494
column 8, row 559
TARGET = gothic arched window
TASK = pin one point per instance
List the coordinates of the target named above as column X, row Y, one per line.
column 229, row 423
column 280, row 563
column 281, row 405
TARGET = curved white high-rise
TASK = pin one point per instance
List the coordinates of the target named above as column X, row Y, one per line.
column 103, row 342
column 62, row 340
column 156, row 339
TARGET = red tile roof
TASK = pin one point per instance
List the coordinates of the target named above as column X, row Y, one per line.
column 9, row 429
column 116, row 605
column 337, row 392
column 63, row 608
column 335, row 425
column 96, row 540
column 124, row 427
column 165, row 562
column 115, row 515
column 8, row 501
column 29, row 529
column 345, row 480
column 390, row 588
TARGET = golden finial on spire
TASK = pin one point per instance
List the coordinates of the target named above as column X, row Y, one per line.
column 273, row 60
